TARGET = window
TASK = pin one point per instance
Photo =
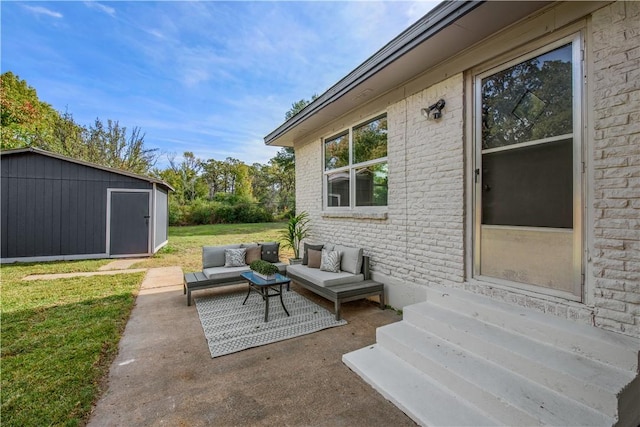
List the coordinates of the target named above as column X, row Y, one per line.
column 527, row 142
column 355, row 163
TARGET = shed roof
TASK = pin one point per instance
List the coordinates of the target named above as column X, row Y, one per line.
column 84, row 163
column 448, row 29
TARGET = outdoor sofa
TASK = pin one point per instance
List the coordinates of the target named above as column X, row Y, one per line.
column 351, row 282
column 221, row 265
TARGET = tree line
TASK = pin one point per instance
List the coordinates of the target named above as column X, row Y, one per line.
column 206, row 190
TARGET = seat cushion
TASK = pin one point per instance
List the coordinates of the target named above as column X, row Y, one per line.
column 351, row 260
column 213, row 256
column 225, row 273
column 323, row 278
column 229, row 273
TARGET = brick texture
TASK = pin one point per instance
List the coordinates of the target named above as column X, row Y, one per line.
column 616, row 88
column 422, row 240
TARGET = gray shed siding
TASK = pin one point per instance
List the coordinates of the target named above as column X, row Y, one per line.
column 52, row 207
column 162, row 217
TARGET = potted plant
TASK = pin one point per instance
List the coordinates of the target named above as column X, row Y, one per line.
column 264, row 269
column 297, row 230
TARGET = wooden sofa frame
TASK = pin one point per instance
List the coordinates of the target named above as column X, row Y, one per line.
column 346, row 292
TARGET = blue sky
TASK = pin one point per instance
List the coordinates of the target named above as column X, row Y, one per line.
column 208, row 77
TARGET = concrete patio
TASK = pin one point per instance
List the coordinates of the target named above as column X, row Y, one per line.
column 164, row 374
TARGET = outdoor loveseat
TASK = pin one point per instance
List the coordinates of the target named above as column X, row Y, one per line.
column 351, row 282
column 222, row 265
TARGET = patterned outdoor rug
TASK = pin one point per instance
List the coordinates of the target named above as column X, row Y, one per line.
column 230, row 326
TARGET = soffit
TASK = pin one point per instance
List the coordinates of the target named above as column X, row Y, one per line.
column 405, row 58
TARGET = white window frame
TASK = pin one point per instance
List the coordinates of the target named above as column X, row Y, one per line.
column 351, row 169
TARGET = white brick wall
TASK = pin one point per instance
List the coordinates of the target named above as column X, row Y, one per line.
column 616, row 159
column 422, row 241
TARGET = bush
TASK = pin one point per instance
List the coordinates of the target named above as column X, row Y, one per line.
column 224, row 214
column 177, row 213
column 221, row 210
column 202, row 212
column 251, row 212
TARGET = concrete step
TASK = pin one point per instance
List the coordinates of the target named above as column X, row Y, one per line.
column 424, row 400
column 503, row 394
column 590, row 382
column 505, row 364
column 607, row 347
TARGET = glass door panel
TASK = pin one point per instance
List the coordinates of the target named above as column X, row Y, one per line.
column 525, row 185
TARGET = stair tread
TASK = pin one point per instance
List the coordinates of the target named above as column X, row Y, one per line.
column 540, row 402
column 420, row 397
column 607, row 377
column 599, row 344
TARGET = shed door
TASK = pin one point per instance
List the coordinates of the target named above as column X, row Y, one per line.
column 129, row 223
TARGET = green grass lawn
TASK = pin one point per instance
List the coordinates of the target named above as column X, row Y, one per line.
column 185, row 243
column 59, row 337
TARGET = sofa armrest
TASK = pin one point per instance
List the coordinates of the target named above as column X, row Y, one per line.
column 366, row 272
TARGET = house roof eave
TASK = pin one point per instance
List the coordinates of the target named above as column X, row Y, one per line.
column 440, row 31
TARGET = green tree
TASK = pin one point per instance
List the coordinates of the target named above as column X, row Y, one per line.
column 29, row 122
column 529, row 101
column 283, row 179
column 243, row 188
column 185, row 178
column 26, row 121
column 298, row 106
column 110, row 145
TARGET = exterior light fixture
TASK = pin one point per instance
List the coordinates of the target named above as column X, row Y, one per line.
column 434, row 111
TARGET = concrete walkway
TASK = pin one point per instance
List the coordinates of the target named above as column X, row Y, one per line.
column 164, row 373
column 121, row 264
column 80, row 274
column 118, row 266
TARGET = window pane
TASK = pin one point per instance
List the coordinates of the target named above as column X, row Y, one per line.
column 336, row 152
column 529, row 186
column 372, row 185
column 338, row 189
column 370, row 140
column 529, row 101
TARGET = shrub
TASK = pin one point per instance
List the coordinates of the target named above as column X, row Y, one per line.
column 202, row 212
column 176, row 213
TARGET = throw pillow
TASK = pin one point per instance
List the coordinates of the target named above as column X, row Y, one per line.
column 330, row 261
column 270, row 251
column 351, row 260
column 234, row 257
column 305, row 256
column 253, row 253
column 315, row 258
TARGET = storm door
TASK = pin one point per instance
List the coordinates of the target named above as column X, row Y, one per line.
column 128, row 232
column 528, row 172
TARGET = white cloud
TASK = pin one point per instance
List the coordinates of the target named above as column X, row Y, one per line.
column 102, row 8
column 418, row 9
column 39, row 10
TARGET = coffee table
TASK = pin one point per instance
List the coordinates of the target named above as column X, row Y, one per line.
column 263, row 286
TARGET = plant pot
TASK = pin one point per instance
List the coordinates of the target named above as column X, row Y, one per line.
column 294, row 261
column 265, row 277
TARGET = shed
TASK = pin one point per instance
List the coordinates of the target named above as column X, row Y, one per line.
column 55, row 207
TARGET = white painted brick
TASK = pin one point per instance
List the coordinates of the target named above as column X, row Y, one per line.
column 422, row 240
